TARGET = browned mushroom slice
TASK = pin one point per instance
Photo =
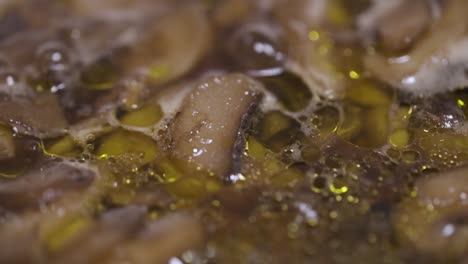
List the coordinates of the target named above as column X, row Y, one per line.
column 396, row 24
column 435, row 221
column 100, row 36
column 44, row 184
column 437, row 61
column 27, row 59
column 40, row 116
column 207, row 127
column 172, row 46
column 162, row 239
column 154, row 48
column 54, row 236
column 309, row 54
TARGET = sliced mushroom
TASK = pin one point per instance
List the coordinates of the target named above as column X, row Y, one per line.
column 21, row 105
column 148, row 49
column 171, row 46
column 162, row 239
column 96, row 37
column 18, row 240
column 435, row 222
column 7, row 144
column 304, row 57
column 206, row 129
column 44, row 184
column 436, row 63
column 99, row 238
column 20, row 15
column 54, row 237
column 396, row 24
column 40, row 116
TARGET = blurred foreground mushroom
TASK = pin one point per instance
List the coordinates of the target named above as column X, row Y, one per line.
column 436, row 61
column 434, row 221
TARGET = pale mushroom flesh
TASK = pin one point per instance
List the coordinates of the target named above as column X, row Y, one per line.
column 233, row 131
